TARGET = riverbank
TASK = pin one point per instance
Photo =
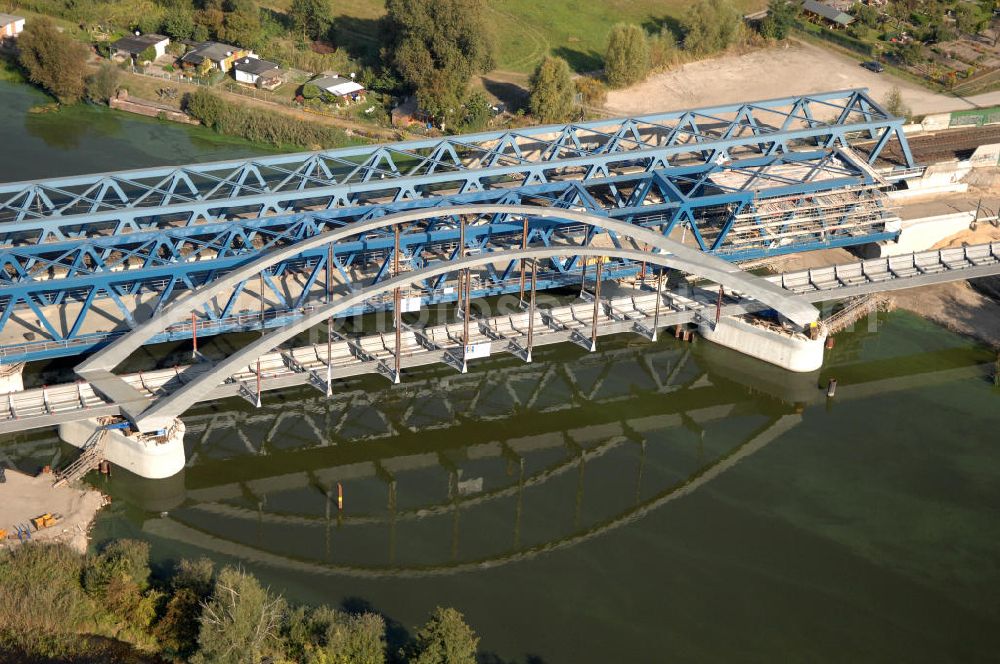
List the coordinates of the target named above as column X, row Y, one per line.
column 23, row 498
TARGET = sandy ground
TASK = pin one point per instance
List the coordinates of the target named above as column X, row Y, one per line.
column 24, row 497
column 956, row 306
column 792, row 69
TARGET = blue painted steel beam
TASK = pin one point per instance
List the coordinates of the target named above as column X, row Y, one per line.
column 129, row 200
column 656, row 200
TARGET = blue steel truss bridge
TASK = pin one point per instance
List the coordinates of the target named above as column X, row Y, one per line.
column 83, row 259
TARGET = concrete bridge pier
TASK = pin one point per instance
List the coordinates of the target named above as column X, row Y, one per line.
column 153, row 456
column 10, row 378
column 792, row 351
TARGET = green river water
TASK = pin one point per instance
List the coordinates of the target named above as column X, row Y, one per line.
column 662, row 502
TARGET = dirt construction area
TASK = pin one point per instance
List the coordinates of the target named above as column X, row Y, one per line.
column 23, row 498
column 792, row 69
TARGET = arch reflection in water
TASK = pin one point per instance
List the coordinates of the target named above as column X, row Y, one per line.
column 452, row 472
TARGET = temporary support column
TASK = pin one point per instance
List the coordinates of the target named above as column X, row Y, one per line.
column 597, row 306
column 465, row 321
column 262, row 303
column 329, row 322
column 531, row 310
column 397, row 313
column 524, row 245
column 718, row 305
column 656, row 310
column 194, row 336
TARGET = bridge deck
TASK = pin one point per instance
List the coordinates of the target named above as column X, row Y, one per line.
column 43, row 407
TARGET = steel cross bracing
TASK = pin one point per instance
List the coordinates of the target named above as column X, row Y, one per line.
column 190, row 194
column 45, row 281
column 720, row 175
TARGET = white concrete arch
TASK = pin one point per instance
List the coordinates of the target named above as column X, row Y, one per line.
column 693, row 261
column 160, row 414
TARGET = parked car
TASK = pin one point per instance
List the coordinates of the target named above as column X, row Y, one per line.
column 873, row 66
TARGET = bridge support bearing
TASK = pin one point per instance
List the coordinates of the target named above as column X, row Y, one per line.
column 149, row 457
column 796, row 352
column 10, row 378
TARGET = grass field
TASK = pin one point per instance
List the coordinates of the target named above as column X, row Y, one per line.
column 527, row 30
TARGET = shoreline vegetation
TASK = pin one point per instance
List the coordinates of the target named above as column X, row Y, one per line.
column 262, row 126
column 56, row 604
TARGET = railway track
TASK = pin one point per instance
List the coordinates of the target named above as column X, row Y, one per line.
column 938, row 146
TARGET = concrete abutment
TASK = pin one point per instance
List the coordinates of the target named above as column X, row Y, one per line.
column 152, row 457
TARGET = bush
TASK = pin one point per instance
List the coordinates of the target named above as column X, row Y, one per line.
column 103, row 84
column 552, row 91
column 627, row 58
column 148, row 55
column 711, row 26
column 41, row 601
column 894, row 105
column 332, row 637
column 261, row 126
column 444, row 639
column 663, row 51
column 781, row 15
column 118, row 579
column 594, row 92
column 476, row 112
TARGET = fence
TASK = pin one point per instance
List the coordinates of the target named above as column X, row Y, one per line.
column 975, row 118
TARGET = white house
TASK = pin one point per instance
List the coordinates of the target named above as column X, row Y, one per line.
column 10, row 26
column 132, row 46
column 254, row 71
column 346, row 88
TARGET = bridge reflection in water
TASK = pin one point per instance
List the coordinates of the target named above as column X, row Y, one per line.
column 447, row 473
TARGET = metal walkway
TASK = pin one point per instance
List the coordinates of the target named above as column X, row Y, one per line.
column 515, row 333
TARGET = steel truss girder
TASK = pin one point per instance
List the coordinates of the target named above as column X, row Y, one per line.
column 128, row 201
column 95, row 267
column 675, row 194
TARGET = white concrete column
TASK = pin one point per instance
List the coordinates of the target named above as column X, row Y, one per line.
column 794, row 352
column 10, row 378
column 150, row 456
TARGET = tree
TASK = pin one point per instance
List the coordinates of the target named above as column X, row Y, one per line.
column 242, row 23
column 894, row 105
column 53, row 60
column 969, row 18
column 103, row 84
column 178, row 23
column 710, row 26
column 351, row 639
column 781, row 15
column 311, row 17
column 866, row 14
column 551, row 90
column 437, row 46
column 911, row 52
column 211, row 17
column 177, row 629
column 445, row 639
column 240, row 620
column 477, row 110
column 627, row 58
